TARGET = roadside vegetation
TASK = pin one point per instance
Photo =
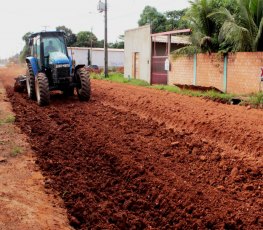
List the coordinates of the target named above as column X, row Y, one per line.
column 224, row 26
column 16, row 150
column 8, row 120
column 255, row 100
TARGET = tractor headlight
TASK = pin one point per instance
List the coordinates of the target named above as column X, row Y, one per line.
column 62, row 66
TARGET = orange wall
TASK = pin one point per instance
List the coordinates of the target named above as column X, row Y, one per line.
column 182, row 71
column 243, row 71
column 210, row 70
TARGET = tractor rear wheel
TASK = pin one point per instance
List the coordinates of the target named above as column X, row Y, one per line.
column 83, row 89
column 42, row 89
column 30, row 82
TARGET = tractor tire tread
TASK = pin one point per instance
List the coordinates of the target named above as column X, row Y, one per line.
column 43, row 89
column 32, row 94
column 85, row 91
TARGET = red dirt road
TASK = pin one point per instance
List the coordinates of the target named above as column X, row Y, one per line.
column 136, row 158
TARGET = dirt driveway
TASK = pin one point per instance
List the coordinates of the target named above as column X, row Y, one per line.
column 137, row 158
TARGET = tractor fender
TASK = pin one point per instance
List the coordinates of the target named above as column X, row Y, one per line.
column 78, row 67
column 33, row 62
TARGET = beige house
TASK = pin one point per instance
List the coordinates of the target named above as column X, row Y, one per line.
column 146, row 55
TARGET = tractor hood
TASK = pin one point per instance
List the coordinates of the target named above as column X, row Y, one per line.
column 58, row 58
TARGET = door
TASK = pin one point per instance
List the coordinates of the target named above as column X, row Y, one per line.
column 136, row 65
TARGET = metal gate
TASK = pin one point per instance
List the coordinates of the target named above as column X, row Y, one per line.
column 159, row 74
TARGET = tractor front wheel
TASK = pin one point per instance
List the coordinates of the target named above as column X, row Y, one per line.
column 42, row 89
column 83, row 89
column 30, row 82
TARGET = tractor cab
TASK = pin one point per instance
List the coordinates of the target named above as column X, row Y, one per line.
column 49, row 60
column 50, row 53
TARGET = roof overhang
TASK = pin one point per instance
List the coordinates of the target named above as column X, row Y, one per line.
column 173, row 32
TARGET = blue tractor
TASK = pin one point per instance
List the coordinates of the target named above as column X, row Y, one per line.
column 51, row 68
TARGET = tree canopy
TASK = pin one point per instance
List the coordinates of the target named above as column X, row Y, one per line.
column 71, row 38
column 161, row 22
column 119, row 44
column 86, row 39
column 26, row 51
column 225, row 26
column 151, row 16
column 241, row 30
column 175, row 20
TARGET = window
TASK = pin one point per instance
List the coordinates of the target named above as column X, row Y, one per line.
column 38, row 48
column 54, row 44
column 35, row 47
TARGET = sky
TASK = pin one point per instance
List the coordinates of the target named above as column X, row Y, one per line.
column 18, row 17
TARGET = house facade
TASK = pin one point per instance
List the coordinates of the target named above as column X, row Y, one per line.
column 147, row 55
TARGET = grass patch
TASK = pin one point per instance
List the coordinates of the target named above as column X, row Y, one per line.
column 256, row 99
column 119, row 78
column 16, row 151
column 8, row 120
column 211, row 94
column 214, row 95
column 169, row 88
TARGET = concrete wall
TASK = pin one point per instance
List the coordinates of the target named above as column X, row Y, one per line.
column 80, row 55
column 239, row 73
column 138, row 41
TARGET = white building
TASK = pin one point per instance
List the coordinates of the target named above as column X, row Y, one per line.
column 95, row 56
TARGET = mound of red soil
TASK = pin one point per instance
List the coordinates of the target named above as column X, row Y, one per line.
column 198, row 88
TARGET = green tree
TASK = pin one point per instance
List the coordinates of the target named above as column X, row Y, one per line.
column 175, row 20
column 119, row 44
column 26, row 50
column 71, row 38
column 205, row 30
column 100, row 44
column 86, row 39
column 241, row 30
column 151, row 16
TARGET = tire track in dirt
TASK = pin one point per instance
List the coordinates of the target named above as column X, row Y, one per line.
column 118, row 170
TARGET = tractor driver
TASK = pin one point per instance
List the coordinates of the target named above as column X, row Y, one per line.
column 50, row 48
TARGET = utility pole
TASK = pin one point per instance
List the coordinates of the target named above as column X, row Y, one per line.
column 104, row 7
column 106, row 39
column 91, row 43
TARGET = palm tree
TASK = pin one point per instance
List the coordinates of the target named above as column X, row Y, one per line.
column 242, row 30
column 205, row 30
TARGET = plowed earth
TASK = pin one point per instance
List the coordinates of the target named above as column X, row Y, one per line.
column 137, row 158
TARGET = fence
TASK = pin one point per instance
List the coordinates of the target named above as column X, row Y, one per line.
column 237, row 73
